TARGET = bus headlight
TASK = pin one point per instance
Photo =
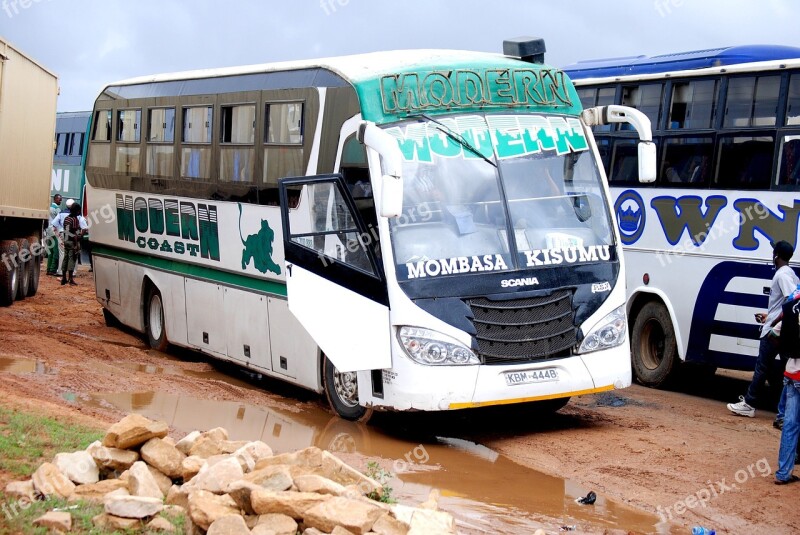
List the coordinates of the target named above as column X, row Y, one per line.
column 432, row 348
column 609, row 332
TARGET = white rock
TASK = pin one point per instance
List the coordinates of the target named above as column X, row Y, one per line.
column 185, row 444
column 133, row 506
column 217, row 478
column 79, row 467
column 142, row 483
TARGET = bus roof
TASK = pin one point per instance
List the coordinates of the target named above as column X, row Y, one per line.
column 682, row 61
column 395, row 84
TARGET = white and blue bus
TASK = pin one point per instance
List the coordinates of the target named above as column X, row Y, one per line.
column 410, row 230
column 697, row 241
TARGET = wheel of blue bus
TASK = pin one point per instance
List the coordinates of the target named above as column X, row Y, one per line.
column 25, row 269
column 36, row 267
column 9, row 279
column 655, row 354
column 155, row 326
column 341, row 389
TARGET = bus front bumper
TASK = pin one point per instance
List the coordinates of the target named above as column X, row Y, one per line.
column 414, row 387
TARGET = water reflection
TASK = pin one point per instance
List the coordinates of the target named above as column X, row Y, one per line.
column 484, row 489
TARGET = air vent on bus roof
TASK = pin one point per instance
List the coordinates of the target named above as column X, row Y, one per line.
column 530, row 49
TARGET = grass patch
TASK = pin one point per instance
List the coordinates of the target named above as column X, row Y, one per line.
column 17, row 518
column 380, row 475
column 27, row 440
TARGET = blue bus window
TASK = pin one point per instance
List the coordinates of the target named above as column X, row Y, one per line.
column 745, row 162
column 793, row 101
column 790, row 162
column 687, row 161
column 645, row 98
column 693, row 104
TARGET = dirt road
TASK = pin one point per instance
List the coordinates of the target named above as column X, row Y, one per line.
column 676, row 456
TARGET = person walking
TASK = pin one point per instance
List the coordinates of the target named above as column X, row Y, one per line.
column 52, row 237
column 72, row 244
column 784, row 282
column 790, row 350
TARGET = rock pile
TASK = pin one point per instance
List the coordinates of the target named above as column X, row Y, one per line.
column 220, row 486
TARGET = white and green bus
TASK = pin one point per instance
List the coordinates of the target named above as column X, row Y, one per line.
column 410, row 230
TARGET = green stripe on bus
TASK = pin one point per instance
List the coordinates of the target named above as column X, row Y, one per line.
column 194, row 271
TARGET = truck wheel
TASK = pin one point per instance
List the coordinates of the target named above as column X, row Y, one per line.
column 154, row 323
column 9, row 272
column 24, row 269
column 36, row 267
column 655, row 352
column 341, row 389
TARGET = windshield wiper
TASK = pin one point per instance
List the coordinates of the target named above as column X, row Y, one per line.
column 455, row 136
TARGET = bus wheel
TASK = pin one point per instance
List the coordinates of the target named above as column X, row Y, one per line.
column 655, row 353
column 9, row 273
column 36, row 267
column 25, row 269
column 341, row 389
column 154, row 321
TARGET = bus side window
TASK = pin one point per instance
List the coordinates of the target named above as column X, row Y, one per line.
column 745, row 162
column 686, row 161
column 355, row 171
column 793, row 101
column 790, row 161
column 624, row 163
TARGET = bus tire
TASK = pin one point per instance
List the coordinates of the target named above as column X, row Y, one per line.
column 36, row 267
column 25, row 269
column 653, row 347
column 9, row 273
column 154, row 324
column 110, row 319
column 341, row 389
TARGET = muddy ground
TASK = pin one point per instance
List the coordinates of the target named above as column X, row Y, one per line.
column 677, row 455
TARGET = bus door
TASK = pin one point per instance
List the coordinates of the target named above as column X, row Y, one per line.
column 334, row 280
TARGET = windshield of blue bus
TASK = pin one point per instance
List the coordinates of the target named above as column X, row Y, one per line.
column 471, row 181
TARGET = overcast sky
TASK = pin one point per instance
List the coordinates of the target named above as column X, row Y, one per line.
column 89, row 43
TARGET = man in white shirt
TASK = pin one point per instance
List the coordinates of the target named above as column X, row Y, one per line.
column 784, row 283
column 58, row 225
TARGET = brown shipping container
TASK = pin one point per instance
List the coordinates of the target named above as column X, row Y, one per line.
column 28, row 95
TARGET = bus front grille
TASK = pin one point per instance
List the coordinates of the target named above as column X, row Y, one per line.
column 519, row 330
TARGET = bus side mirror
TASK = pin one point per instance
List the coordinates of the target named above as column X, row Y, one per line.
column 391, row 201
column 623, row 114
column 647, row 162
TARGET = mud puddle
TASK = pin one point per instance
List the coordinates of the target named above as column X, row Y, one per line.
column 484, row 490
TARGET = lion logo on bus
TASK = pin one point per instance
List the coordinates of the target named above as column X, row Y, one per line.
column 258, row 248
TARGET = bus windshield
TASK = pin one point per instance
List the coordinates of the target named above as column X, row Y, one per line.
column 457, row 205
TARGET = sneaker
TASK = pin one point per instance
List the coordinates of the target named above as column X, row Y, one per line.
column 742, row 408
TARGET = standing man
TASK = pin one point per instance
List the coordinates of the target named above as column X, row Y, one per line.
column 52, row 236
column 72, row 244
column 783, row 284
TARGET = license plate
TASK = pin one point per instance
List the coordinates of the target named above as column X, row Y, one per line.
column 531, row 376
